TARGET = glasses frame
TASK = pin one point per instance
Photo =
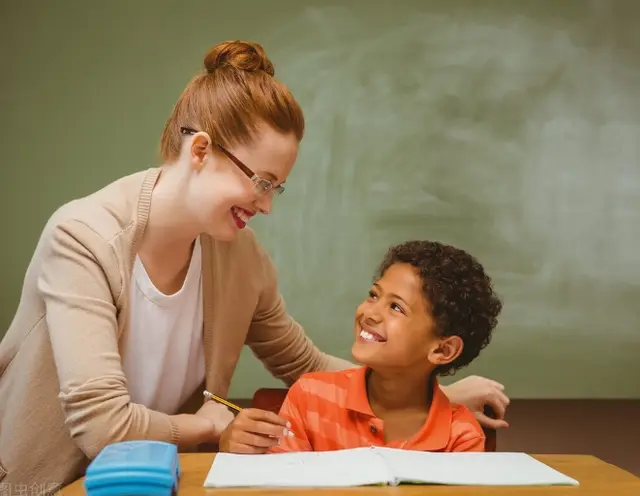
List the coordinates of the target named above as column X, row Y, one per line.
column 260, row 184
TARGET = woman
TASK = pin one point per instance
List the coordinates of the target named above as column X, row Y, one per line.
column 142, row 293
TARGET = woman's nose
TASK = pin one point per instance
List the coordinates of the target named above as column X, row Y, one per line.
column 263, row 204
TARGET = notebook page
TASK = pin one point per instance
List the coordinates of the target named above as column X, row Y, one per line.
column 477, row 469
column 355, row 467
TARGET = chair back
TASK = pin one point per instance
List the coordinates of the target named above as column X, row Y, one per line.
column 269, row 399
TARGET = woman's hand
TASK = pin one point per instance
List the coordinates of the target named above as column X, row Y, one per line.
column 202, row 428
column 220, row 417
column 475, row 392
column 254, row 431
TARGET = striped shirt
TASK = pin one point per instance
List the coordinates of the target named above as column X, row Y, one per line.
column 330, row 411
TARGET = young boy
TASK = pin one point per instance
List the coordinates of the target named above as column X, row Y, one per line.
column 429, row 312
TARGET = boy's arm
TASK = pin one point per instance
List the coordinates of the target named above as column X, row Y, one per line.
column 293, row 410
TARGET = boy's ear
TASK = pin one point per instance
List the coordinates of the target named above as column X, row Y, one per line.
column 446, row 351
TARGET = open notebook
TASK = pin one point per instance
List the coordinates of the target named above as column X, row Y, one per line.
column 380, row 466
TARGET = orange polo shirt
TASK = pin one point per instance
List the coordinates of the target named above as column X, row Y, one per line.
column 330, row 411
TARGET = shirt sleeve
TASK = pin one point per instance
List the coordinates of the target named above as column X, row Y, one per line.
column 471, row 443
column 278, row 340
column 79, row 295
column 467, row 435
column 293, row 410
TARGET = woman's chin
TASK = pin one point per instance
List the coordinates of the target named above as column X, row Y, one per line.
column 225, row 233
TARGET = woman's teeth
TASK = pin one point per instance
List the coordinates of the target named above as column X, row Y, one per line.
column 240, row 214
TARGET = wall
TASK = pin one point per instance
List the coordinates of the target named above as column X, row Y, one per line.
column 603, row 428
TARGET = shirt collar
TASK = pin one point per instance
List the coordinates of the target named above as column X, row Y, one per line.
column 434, row 434
column 357, row 399
column 436, row 431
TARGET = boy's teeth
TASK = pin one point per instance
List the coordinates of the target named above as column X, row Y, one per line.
column 367, row 336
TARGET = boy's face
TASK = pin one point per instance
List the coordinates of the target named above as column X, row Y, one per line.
column 394, row 329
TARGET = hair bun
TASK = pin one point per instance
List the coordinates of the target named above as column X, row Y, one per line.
column 241, row 55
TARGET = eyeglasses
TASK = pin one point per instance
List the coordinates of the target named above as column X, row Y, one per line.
column 261, row 185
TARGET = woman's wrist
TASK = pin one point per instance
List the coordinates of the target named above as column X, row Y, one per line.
column 195, row 430
column 218, row 414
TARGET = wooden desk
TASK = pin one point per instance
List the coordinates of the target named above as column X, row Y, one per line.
column 596, row 478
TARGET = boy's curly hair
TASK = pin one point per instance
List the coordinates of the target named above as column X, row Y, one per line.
column 459, row 294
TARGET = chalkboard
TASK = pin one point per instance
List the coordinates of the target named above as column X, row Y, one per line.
column 510, row 129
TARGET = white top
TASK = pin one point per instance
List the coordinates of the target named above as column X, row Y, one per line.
column 164, row 356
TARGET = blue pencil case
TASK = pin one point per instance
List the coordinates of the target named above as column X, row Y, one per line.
column 131, row 468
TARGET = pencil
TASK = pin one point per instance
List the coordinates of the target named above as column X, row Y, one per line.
column 212, row 396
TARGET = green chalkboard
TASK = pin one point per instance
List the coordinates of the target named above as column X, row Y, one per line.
column 511, row 129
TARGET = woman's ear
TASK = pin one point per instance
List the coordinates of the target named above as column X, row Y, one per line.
column 446, row 351
column 198, row 153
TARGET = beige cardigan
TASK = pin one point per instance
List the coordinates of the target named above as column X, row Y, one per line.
column 63, row 394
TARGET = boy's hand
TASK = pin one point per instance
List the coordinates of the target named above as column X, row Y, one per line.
column 253, row 431
column 475, row 392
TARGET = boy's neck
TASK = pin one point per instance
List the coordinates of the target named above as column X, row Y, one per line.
column 389, row 391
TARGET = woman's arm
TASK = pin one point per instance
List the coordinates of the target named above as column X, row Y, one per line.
column 475, row 392
column 278, row 340
column 79, row 295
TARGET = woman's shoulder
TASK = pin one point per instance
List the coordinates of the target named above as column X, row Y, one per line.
column 101, row 226
column 111, row 210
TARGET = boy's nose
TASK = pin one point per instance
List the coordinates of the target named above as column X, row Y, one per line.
column 372, row 315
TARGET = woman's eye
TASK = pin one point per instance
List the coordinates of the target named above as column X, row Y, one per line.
column 265, row 186
column 397, row 307
column 372, row 295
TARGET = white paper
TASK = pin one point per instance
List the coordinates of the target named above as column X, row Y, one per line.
column 356, row 467
column 474, row 469
column 369, row 466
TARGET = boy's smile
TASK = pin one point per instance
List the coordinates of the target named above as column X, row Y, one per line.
column 369, row 335
column 393, row 326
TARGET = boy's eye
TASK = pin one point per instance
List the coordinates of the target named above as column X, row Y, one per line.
column 397, row 307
